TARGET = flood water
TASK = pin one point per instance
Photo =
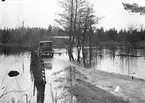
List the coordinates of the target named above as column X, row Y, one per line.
column 124, row 62
column 14, row 89
column 20, row 89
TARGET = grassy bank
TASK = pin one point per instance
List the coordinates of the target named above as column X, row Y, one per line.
column 100, row 84
column 88, row 93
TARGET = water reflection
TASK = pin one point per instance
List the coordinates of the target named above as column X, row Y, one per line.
column 59, row 77
column 66, row 80
column 125, row 60
column 18, row 88
column 12, row 50
column 37, row 76
column 48, row 65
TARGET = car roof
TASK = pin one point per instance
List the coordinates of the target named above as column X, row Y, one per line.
column 45, row 41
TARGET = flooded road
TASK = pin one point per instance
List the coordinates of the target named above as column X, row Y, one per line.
column 20, row 89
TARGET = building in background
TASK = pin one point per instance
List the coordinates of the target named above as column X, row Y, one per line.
column 59, row 41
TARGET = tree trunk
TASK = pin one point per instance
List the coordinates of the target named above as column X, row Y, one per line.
column 78, row 50
column 83, row 52
column 90, row 51
column 70, row 35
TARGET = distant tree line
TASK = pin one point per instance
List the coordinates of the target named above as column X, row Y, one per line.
column 25, row 36
column 119, row 36
column 92, row 37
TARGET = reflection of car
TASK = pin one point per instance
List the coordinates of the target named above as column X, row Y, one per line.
column 45, row 47
column 48, row 65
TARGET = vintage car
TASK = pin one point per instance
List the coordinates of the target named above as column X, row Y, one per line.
column 45, row 48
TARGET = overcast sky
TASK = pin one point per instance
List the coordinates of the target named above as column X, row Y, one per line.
column 41, row 13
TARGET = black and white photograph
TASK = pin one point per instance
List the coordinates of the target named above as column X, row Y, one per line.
column 72, row 51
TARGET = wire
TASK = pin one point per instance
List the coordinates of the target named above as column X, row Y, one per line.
column 19, row 91
column 8, row 85
column 3, row 81
column 21, row 97
column 2, row 59
column 10, row 92
column 20, row 87
column 25, row 90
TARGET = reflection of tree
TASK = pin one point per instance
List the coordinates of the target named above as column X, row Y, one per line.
column 128, row 56
column 36, row 71
column 112, row 50
column 67, row 81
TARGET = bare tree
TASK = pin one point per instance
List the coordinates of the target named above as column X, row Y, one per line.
column 89, row 19
column 77, row 19
column 68, row 20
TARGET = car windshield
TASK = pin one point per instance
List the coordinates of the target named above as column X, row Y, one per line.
column 46, row 44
